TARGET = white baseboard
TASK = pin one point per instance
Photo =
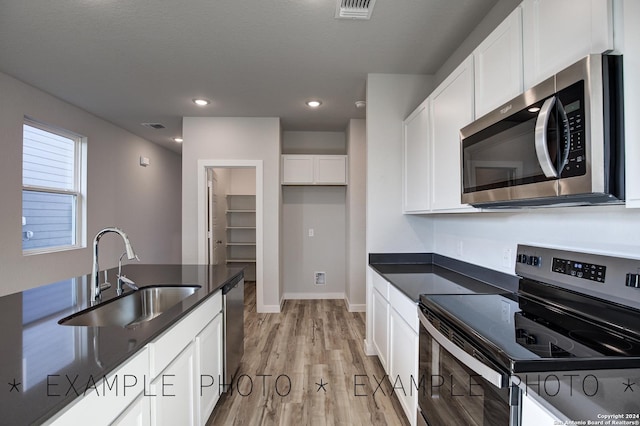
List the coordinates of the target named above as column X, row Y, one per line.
column 304, row 296
column 369, row 350
column 268, row 309
column 355, row 307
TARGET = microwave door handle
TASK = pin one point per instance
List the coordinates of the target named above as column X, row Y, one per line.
column 542, row 150
column 567, row 136
column 492, row 376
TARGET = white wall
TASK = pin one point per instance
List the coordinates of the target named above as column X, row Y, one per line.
column 321, row 208
column 324, row 143
column 390, row 99
column 242, row 181
column 235, row 139
column 144, row 201
column 356, row 215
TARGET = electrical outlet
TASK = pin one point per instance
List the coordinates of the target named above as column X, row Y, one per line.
column 320, row 278
column 460, row 248
column 506, row 258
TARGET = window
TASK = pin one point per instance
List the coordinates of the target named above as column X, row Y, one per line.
column 53, row 181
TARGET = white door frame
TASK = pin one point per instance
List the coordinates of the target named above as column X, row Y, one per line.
column 205, row 164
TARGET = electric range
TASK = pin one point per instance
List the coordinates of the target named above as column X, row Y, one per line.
column 572, row 312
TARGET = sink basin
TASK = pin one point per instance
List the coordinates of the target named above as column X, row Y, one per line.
column 132, row 309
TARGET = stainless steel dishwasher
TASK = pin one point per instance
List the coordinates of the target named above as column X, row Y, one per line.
column 233, row 308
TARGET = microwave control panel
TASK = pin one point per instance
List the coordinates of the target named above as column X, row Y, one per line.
column 572, row 99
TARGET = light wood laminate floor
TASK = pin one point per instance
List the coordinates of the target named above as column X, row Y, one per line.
column 290, row 355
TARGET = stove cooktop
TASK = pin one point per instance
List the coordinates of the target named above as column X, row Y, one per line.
column 524, row 335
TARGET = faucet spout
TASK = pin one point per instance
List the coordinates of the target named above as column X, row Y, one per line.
column 97, row 287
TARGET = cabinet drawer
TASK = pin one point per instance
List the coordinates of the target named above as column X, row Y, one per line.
column 404, row 306
column 381, row 285
column 166, row 347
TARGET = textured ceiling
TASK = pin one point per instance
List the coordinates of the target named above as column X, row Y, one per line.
column 135, row 61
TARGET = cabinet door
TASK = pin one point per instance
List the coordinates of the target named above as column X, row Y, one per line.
column 451, row 110
column 209, row 368
column 557, row 33
column 138, row 414
column 297, row 169
column 174, row 403
column 417, row 161
column 403, row 360
column 330, row 170
column 497, row 65
column 535, row 415
column 381, row 328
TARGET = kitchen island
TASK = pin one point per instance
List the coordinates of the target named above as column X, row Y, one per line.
column 47, row 367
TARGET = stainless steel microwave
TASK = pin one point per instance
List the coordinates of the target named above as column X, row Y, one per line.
column 559, row 143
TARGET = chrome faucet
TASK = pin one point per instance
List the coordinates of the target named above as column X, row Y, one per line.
column 97, row 287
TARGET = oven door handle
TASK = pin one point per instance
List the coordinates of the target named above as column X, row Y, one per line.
column 492, row 376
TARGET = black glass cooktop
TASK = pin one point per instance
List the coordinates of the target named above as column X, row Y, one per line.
column 524, row 334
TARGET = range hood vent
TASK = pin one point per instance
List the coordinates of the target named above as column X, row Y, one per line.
column 156, row 126
column 354, row 9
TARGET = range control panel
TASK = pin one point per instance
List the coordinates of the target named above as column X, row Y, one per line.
column 612, row 278
column 587, row 271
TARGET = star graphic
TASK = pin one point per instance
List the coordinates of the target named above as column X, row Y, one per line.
column 322, row 385
column 628, row 385
column 14, row 385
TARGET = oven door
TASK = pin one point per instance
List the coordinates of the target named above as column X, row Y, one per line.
column 459, row 388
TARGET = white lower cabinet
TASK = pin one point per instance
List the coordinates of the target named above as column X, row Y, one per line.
column 403, row 363
column 167, row 374
column 138, row 414
column 111, row 397
column 380, row 310
column 174, row 388
column 209, row 368
column 533, row 414
column 395, row 339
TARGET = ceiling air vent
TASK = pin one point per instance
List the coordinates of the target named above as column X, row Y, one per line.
column 156, row 126
column 354, row 9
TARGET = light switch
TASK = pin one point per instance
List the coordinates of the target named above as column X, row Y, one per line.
column 144, row 161
column 311, row 232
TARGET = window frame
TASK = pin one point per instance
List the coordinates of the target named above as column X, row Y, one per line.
column 79, row 208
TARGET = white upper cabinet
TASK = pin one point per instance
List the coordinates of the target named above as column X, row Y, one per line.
column 330, row 170
column 297, row 169
column 498, row 65
column 314, row 169
column 451, row 110
column 557, row 33
column 630, row 46
column 416, row 161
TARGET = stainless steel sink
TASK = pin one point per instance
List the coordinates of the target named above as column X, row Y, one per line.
column 132, row 309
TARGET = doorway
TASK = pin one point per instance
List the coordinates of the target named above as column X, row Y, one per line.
column 230, row 217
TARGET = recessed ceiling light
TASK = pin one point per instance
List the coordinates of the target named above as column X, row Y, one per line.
column 179, row 140
column 201, row 102
column 314, row 104
column 533, row 109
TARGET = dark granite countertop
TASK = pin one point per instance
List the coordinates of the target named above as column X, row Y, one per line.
column 35, row 347
column 429, row 273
